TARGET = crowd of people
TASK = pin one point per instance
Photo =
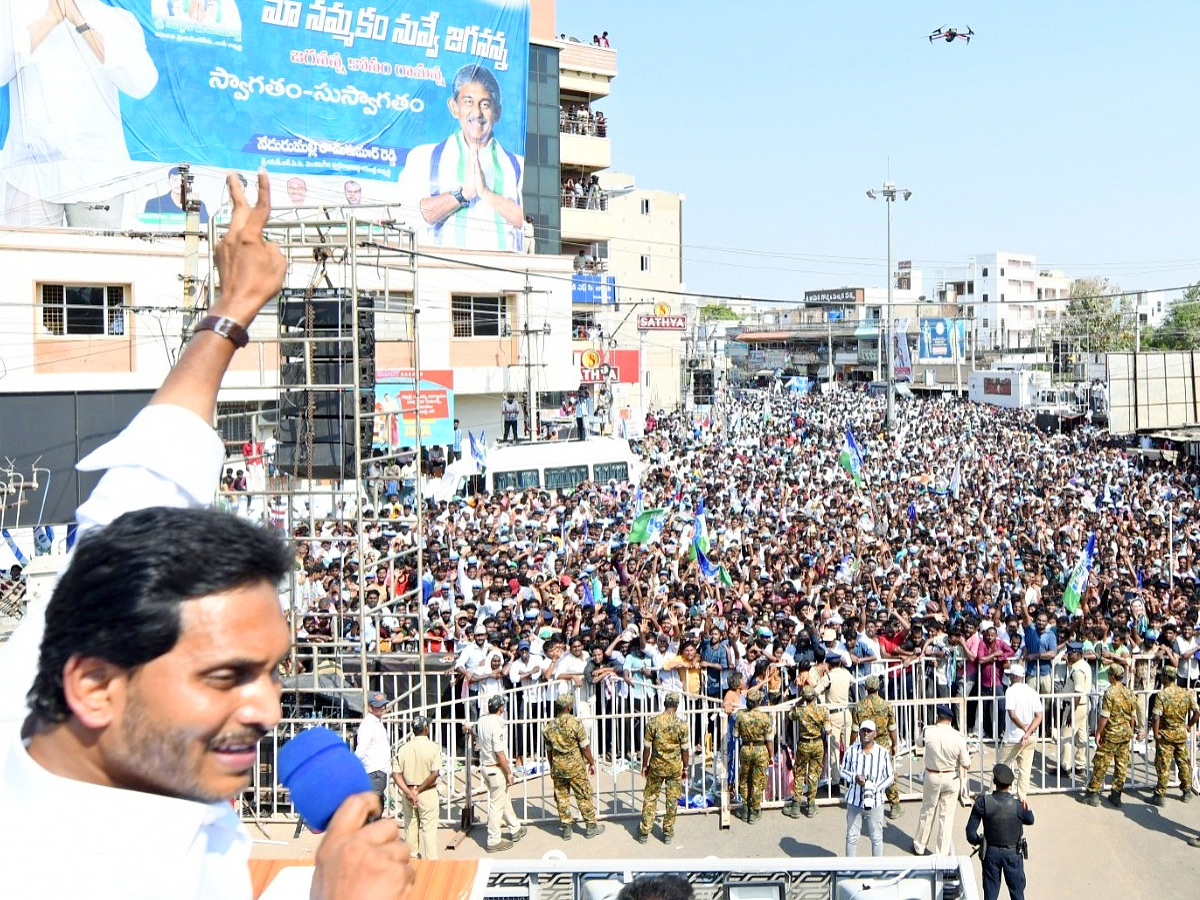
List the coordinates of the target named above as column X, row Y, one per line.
column 581, row 119
column 907, row 566
column 584, row 193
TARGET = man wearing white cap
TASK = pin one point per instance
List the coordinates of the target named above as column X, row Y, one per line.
column 867, row 769
column 1022, row 718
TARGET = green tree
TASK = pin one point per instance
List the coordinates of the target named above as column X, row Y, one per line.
column 717, row 312
column 1098, row 319
column 1180, row 329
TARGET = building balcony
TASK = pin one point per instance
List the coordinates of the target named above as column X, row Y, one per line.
column 586, row 68
column 581, row 225
column 584, row 151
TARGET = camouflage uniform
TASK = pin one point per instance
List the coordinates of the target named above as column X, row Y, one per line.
column 1120, row 707
column 666, row 736
column 812, row 725
column 568, row 771
column 1174, row 706
column 876, row 709
column 754, row 729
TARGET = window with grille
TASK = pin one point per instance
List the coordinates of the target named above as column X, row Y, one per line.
column 478, row 316
column 83, row 309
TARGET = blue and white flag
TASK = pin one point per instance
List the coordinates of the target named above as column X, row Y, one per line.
column 478, row 448
column 700, row 542
column 72, row 533
column 43, row 540
column 20, row 557
column 912, row 513
column 1079, row 577
column 851, row 458
column 707, row 569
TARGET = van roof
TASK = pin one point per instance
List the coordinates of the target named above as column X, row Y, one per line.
column 539, row 454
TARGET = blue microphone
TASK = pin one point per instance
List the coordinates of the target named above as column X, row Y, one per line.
column 321, row 772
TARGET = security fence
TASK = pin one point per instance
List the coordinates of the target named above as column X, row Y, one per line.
column 614, row 714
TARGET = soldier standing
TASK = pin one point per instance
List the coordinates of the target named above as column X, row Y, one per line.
column 812, row 729
column 1118, row 717
column 664, row 764
column 876, row 709
column 568, row 749
column 756, row 732
column 1174, row 716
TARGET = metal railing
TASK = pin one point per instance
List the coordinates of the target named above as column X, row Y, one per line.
column 614, row 714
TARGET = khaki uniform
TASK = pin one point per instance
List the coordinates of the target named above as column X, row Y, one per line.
column 666, row 735
column 812, row 725
column 1174, row 706
column 414, row 762
column 566, row 739
column 1079, row 682
column 754, row 728
column 492, row 736
column 1120, row 708
column 837, row 698
column 946, row 755
column 876, row 709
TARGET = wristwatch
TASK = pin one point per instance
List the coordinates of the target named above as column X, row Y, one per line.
column 83, row 29
column 226, row 328
column 457, row 194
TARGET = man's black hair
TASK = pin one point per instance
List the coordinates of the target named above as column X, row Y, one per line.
column 657, row 887
column 120, row 598
column 473, row 73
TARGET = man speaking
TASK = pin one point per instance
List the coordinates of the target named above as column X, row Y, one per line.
column 158, row 671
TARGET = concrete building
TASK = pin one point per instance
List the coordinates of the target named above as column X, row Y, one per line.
column 1011, row 303
column 88, row 313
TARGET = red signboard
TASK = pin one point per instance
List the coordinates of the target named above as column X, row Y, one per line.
column 661, row 323
column 1001, row 387
column 434, row 404
column 594, row 376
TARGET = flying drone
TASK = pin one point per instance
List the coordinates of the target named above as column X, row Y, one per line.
column 948, row 34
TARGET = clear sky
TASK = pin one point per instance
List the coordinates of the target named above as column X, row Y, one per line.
column 1067, row 129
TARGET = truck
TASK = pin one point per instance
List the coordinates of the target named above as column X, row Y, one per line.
column 1007, row 388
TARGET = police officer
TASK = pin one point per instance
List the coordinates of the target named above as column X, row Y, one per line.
column 812, row 728
column 878, row 710
column 1004, row 818
column 756, row 732
column 664, row 764
column 1175, row 714
column 1118, row 721
column 568, row 749
column 1079, row 686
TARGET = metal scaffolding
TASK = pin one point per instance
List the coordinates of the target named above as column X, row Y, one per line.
column 368, row 260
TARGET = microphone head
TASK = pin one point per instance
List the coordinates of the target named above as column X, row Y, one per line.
column 321, row 772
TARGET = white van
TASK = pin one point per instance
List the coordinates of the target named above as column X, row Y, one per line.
column 549, row 465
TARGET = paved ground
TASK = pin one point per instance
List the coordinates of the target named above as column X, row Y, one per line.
column 1075, row 850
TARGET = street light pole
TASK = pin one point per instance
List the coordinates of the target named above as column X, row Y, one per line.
column 889, row 192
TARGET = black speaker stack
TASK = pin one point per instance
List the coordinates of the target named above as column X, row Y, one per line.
column 318, row 397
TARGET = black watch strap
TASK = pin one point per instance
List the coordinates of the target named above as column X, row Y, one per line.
column 463, row 202
column 226, row 328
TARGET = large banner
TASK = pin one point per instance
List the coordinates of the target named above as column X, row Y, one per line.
column 396, row 410
column 344, row 102
column 903, row 354
column 941, row 340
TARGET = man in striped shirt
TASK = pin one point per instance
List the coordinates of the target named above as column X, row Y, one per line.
column 867, row 769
